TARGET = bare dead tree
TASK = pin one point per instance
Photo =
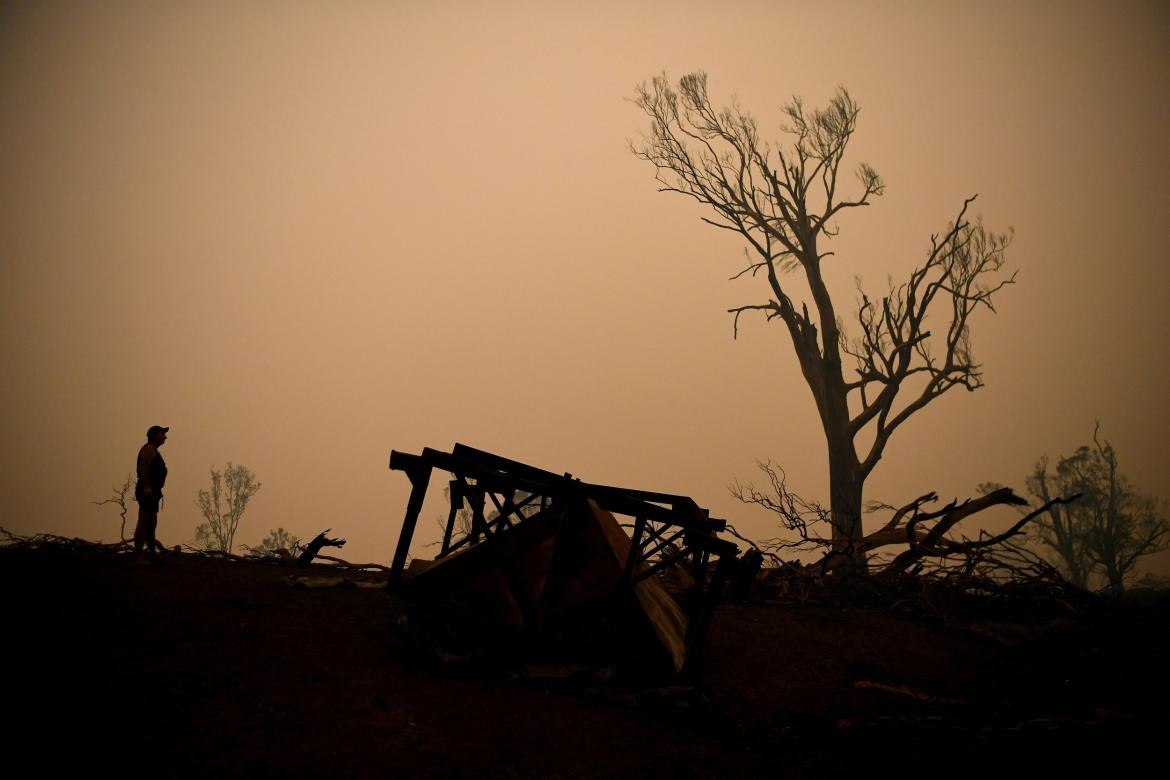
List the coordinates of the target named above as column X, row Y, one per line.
column 785, row 201
column 118, row 498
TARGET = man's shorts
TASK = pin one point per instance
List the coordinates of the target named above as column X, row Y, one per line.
column 148, row 503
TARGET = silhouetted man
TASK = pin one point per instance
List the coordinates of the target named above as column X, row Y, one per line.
column 152, row 473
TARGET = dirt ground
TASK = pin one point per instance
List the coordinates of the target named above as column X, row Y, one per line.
column 203, row 667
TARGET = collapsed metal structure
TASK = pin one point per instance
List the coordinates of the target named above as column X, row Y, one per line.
column 663, row 531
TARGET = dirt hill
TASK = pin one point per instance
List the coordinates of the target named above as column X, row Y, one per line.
column 206, row 667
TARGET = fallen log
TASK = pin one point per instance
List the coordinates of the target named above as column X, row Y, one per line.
column 311, row 549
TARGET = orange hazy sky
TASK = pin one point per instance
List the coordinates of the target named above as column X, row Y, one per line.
column 304, row 233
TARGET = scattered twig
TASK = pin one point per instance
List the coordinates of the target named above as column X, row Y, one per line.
column 354, row 566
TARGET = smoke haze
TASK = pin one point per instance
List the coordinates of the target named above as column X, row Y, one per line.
column 303, row 234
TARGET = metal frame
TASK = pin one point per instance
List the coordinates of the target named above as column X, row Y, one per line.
column 659, row 520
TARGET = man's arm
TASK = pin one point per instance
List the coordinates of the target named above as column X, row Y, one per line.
column 145, row 456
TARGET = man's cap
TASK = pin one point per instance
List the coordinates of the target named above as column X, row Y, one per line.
column 152, row 430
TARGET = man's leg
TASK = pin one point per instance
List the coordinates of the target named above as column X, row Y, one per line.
column 140, row 532
column 151, row 542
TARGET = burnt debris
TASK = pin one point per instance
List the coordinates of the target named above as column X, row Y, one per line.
column 537, row 567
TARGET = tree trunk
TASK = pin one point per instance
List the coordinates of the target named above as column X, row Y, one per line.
column 846, row 477
column 845, row 485
column 822, row 368
column 1114, row 576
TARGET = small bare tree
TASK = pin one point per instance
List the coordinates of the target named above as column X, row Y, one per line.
column 223, row 505
column 118, row 497
column 280, row 543
column 785, row 202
